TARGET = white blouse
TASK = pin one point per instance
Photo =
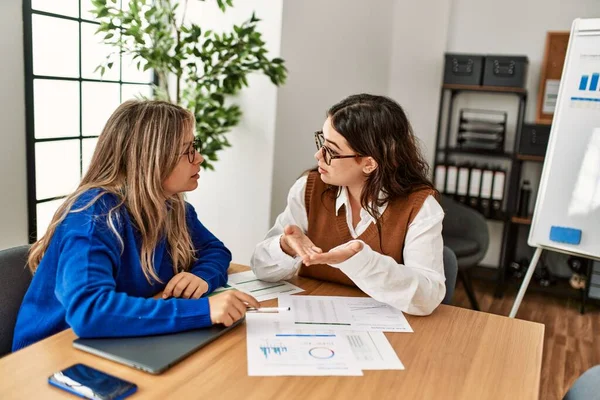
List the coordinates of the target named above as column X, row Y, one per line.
column 417, row 287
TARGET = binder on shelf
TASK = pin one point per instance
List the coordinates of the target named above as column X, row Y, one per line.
column 440, row 178
column 451, row 179
column 462, row 190
column 475, row 188
column 487, row 179
column 498, row 193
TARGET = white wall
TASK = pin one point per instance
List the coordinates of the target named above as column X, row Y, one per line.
column 511, row 27
column 418, row 44
column 514, row 27
column 234, row 200
column 13, row 179
column 332, row 49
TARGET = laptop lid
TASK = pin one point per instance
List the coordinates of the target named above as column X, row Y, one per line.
column 152, row 354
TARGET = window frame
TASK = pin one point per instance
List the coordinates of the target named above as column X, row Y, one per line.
column 30, row 77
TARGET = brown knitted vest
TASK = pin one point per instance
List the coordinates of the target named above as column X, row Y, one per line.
column 328, row 230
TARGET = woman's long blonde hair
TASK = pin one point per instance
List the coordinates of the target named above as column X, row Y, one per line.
column 138, row 148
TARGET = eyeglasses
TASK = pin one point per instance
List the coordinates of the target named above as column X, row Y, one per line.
column 195, row 147
column 327, row 153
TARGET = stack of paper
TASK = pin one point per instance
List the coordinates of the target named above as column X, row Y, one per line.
column 323, row 335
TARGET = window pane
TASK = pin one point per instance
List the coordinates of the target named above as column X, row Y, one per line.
column 69, row 8
column 55, row 40
column 56, row 168
column 56, row 107
column 129, row 92
column 87, row 148
column 45, row 212
column 86, row 6
column 131, row 73
column 94, row 53
column 99, row 102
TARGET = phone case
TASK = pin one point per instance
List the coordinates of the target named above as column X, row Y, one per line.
column 90, row 383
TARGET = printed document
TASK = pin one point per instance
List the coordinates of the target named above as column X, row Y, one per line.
column 274, row 353
column 342, row 313
column 247, row 282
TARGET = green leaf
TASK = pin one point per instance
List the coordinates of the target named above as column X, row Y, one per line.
column 210, row 66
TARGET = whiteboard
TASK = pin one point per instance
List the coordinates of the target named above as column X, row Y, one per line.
column 568, row 198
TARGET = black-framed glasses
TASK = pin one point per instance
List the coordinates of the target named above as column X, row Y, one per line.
column 327, row 153
column 195, row 147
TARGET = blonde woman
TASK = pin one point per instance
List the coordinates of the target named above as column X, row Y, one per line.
column 127, row 234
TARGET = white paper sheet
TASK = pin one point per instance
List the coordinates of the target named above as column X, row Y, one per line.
column 342, row 313
column 372, row 350
column 247, row 282
column 550, row 96
column 273, row 353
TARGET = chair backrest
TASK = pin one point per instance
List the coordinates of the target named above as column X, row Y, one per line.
column 450, row 270
column 586, row 387
column 466, row 224
column 13, row 285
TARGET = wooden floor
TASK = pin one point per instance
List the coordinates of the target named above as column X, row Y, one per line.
column 572, row 340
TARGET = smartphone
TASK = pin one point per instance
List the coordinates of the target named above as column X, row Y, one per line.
column 89, row 383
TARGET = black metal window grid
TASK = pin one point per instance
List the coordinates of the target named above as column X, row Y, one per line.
column 81, row 139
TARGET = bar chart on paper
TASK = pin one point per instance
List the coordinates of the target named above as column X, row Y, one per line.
column 273, row 352
column 270, row 350
column 300, row 355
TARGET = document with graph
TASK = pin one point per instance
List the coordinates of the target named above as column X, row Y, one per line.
column 342, row 313
column 272, row 352
column 368, row 350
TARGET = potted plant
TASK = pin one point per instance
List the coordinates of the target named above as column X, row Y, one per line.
column 205, row 66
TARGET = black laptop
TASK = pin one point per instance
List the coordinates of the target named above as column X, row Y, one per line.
column 153, row 354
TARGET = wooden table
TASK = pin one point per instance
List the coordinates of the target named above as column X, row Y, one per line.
column 454, row 353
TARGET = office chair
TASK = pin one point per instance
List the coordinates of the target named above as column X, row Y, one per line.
column 450, row 270
column 465, row 232
column 586, row 387
column 13, row 285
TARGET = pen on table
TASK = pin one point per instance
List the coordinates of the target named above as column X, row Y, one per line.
column 268, row 309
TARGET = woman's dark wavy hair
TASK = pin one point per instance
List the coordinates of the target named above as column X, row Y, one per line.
column 377, row 126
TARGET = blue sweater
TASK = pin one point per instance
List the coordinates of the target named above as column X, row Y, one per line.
column 88, row 282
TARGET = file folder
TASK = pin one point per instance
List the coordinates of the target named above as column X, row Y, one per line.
column 440, row 178
column 498, row 193
column 487, row 179
column 451, row 179
column 475, row 187
column 462, row 190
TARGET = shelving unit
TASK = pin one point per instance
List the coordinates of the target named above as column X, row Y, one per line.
column 561, row 288
column 521, row 220
column 454, row 150
column 446, row 150
column 512, row 229
column 523, row 157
